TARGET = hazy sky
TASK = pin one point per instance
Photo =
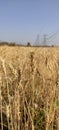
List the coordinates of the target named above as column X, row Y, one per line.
column 22, row 20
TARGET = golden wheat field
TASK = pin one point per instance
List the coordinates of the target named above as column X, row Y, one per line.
column 29, row 88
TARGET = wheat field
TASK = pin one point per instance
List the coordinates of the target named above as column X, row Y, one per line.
column 29, row 88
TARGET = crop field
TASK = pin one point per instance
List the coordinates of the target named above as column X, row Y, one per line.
column 29, row 88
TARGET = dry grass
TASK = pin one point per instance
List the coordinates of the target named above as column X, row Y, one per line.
column 29, row 87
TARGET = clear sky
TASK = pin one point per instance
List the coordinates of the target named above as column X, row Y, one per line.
column 22, row 20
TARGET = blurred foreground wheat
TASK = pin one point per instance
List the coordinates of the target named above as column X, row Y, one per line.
column 29, row 88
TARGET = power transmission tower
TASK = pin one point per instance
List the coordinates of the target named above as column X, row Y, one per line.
column 37, row 42
column 44, row 39
column 51, row 38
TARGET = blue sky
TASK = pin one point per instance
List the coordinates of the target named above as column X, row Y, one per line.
column 22, row 20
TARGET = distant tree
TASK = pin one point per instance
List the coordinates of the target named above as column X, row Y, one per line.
column 12, row 44
column 28, row 44
column 4, row 43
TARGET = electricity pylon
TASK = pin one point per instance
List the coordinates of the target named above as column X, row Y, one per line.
column 37, row 41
